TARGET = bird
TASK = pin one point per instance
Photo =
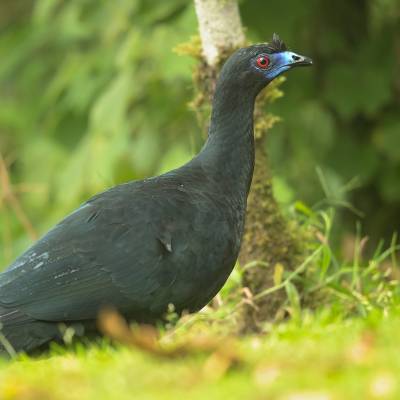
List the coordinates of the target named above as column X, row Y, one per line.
column 143, row 245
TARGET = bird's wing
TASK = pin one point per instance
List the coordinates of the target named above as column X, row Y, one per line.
column 109, row 252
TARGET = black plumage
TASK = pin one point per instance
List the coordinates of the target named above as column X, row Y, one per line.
column 140, row 246
column 276, row 45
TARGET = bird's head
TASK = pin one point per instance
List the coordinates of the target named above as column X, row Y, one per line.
column 259, row 64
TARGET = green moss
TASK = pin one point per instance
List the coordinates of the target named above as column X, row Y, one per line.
column 321, row 357
column 190, row 48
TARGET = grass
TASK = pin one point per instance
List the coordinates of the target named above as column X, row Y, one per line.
column 340, row 342
column 319, row 357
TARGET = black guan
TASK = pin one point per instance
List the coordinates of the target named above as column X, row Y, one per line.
column 142, row 245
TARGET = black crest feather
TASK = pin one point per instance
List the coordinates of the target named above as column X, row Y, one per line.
column 277, row 44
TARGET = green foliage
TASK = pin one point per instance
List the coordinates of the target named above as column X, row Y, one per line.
column 342, row 116
column 91, row 95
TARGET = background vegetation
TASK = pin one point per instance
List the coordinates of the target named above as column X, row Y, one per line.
column 93, row 94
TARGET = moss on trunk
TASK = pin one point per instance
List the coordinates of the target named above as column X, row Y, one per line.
column 268, row 237
column 269, row 244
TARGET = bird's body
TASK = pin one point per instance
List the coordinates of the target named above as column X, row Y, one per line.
column 140, row 246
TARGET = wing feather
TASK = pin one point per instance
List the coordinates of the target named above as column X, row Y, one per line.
column 86, row 262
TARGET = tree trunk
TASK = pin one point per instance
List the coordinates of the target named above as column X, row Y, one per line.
column 220, row 28
column 267, row 237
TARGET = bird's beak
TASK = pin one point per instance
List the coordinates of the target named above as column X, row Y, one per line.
column 297, row 60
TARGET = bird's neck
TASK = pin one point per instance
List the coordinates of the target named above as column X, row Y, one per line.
column 228, row 154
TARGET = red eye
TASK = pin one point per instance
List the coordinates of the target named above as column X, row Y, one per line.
column 263, row 62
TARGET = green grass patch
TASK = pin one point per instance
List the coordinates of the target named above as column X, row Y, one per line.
column 318, row 357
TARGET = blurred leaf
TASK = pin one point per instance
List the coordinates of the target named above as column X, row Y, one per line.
column 387, row 139
column 278, row 273
column 294, row 299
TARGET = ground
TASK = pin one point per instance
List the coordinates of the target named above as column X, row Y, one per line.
column 318, row 356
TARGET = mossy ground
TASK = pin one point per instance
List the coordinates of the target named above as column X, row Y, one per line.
column 319, row 356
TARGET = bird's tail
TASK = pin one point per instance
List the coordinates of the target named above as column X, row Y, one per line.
column 21, row 333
